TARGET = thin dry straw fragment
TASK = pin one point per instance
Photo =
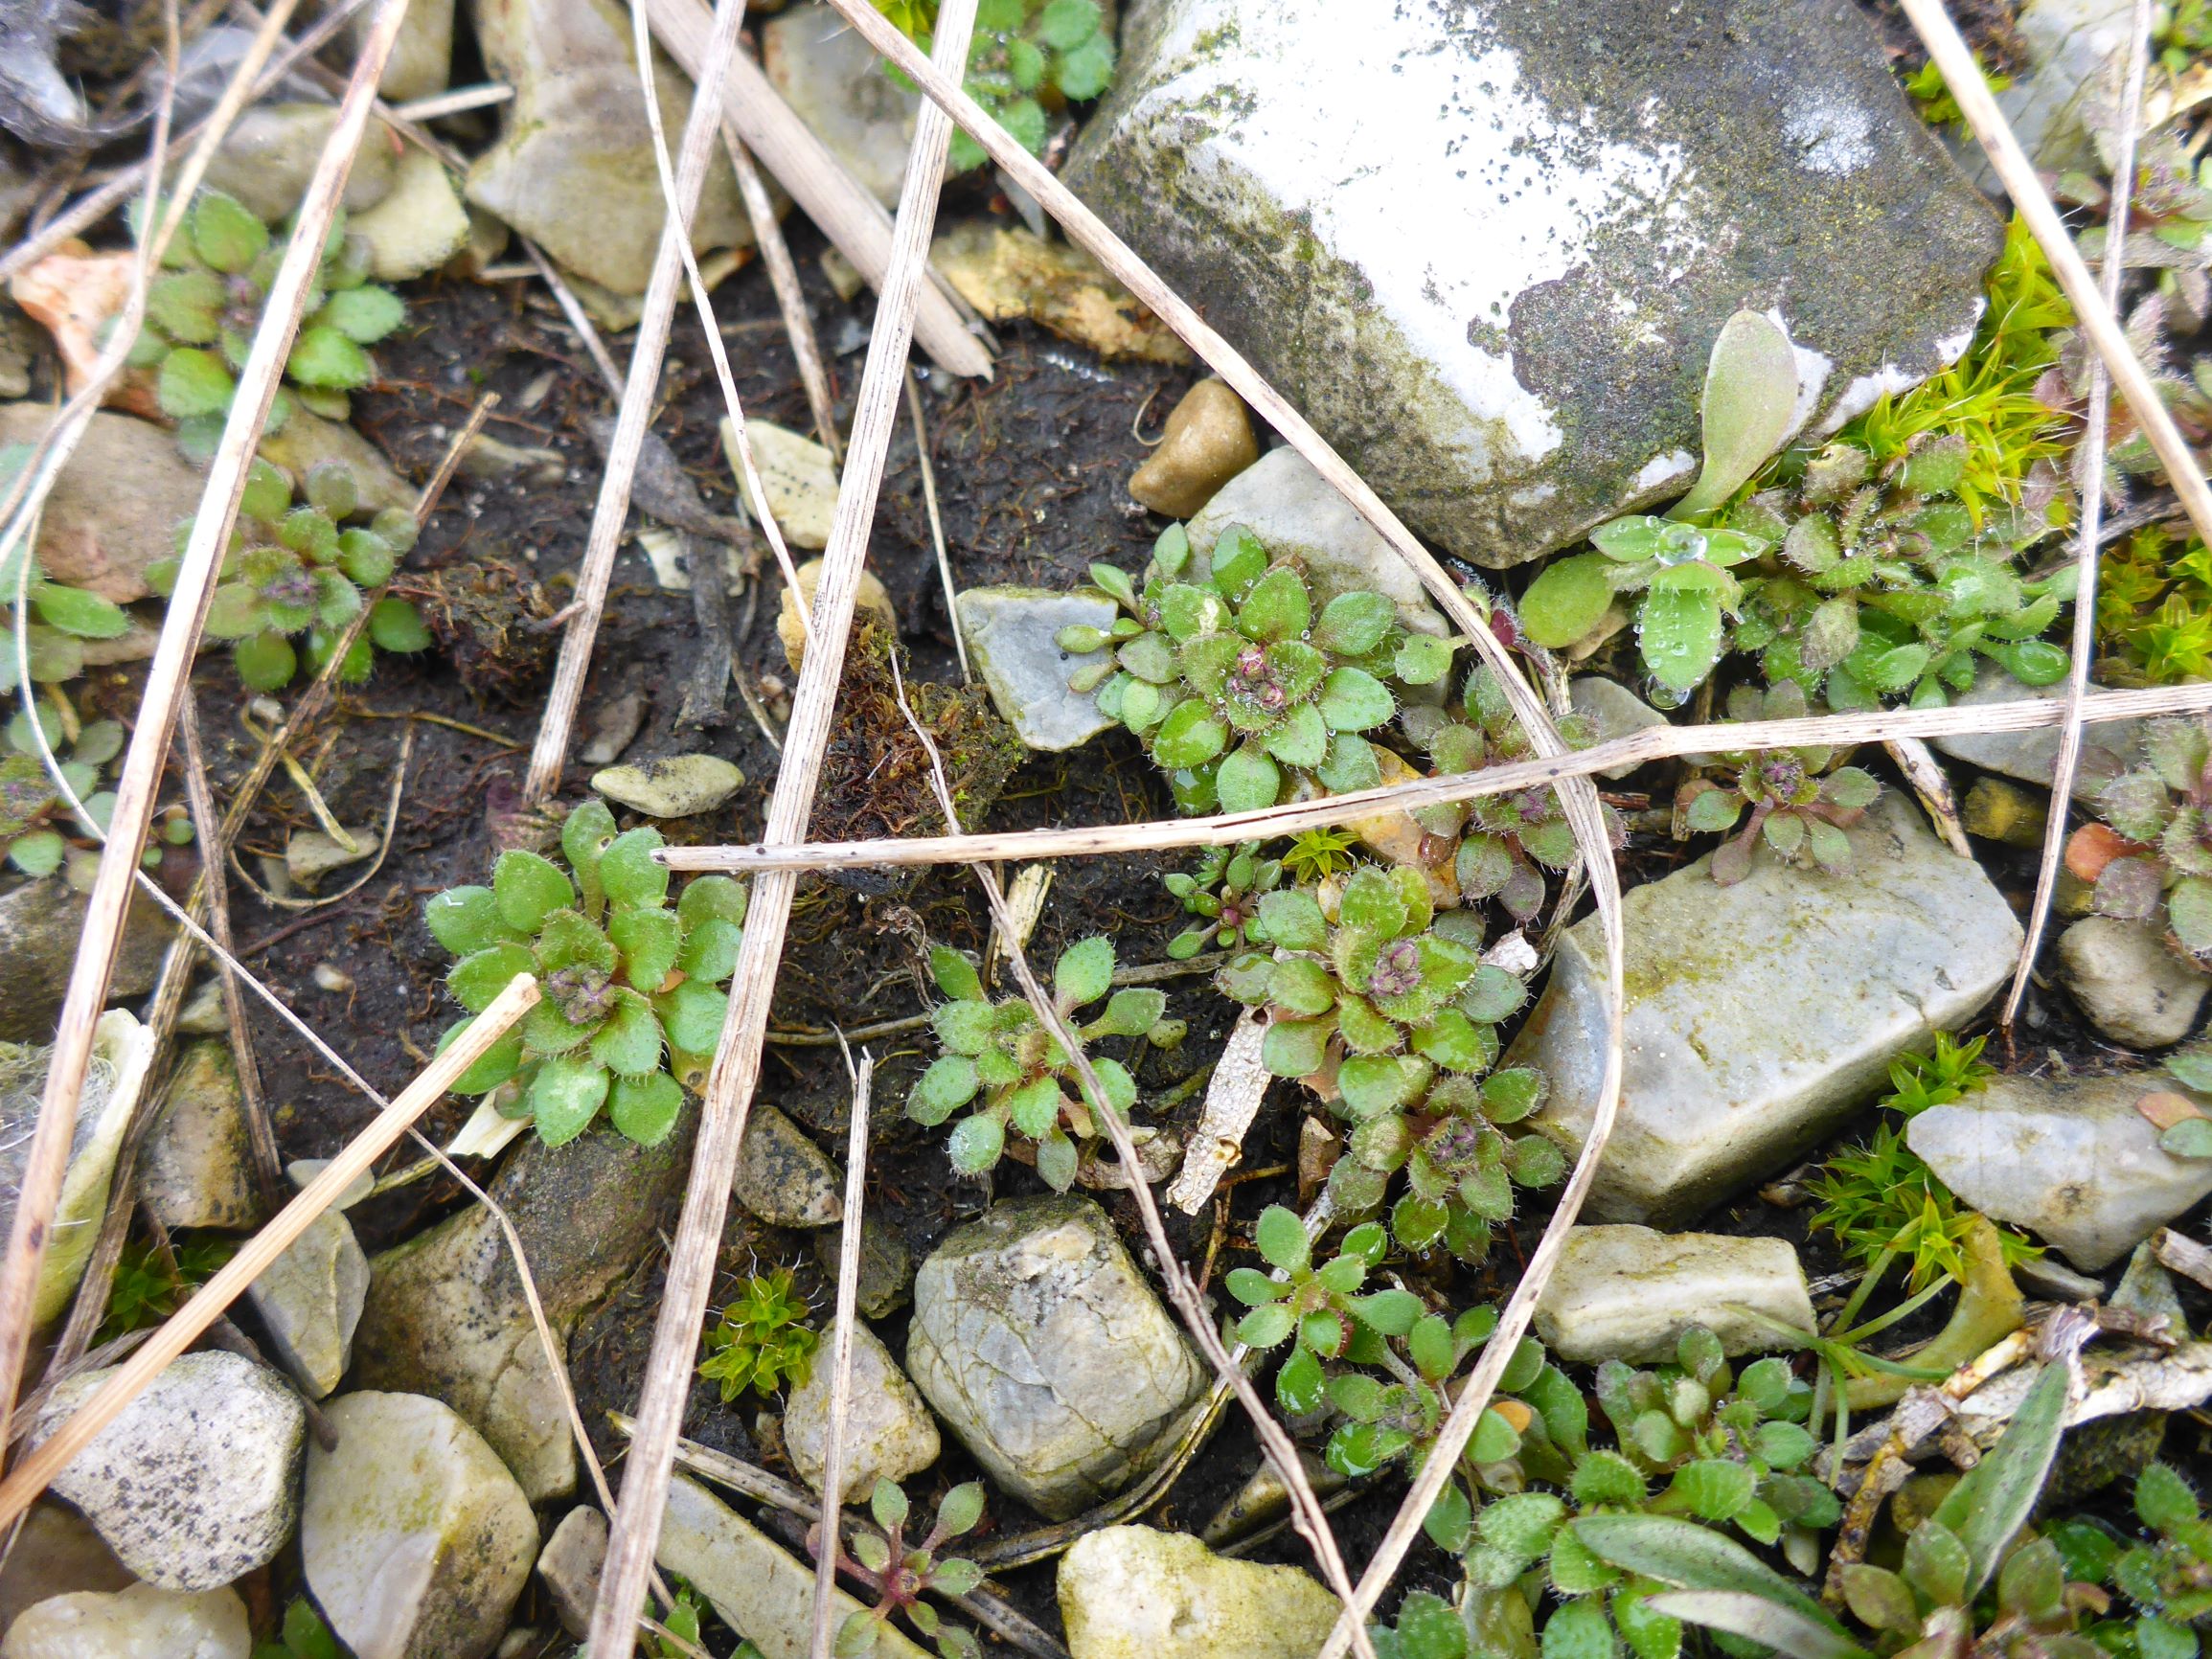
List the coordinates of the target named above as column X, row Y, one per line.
column 2033, row 203
column 790, row 298
column 637, row 1519
column 209, row 1303
column 2092, row 477
column 827, row 1545
column 1654, row 743
column 612, row 510
column 165, row 679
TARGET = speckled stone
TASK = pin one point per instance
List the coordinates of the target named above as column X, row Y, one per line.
column 1627, row 1292
column 1048, row 1354
column 783, row 1177
column 1486, row 247
column 888, row 1435
column 1138, row 1593
column 1761, row 1015
column 198, row 1481
column 310, row 1299
column 414, row 1537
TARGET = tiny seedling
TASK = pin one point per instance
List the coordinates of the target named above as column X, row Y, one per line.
column 302, row 1635
column 1224, row 889
column 1000, row 1062
column 900, row 1572
column 763, row 1340
column 1801, row 801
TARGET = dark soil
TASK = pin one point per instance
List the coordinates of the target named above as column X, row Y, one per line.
column 1031, row 470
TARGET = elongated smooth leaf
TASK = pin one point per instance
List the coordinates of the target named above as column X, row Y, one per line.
column 1758, row 1619
column 1993, row 1502
column 1750, row 397
column 1691, row 1557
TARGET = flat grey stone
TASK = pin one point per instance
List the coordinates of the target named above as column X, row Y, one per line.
column 309, row 1300
column 414, row 1538
column 1048, row 1354
column 311, row 854
column 445, row 1315
column 783, row 1177
column 196, row 1168
column 2129, row 984
column 886, row 1265
column 270, row 156
column 2107, row 748
column 1761, row 1015
column 754, row 1586
column 888, row 1434
column 1139, row 1593
column 114, row 509
column 832, row 78
column 1012, row 636
column 1486, row 247
column 1626, row 1292
column 570, row 1564
column 136, row 1623
column 1299, row 516
column 197, row 1482
column 2070, row 1159
column 2076, row 58
column 1613, row 710
column 676, row 786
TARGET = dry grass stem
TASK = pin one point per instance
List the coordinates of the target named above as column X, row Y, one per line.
column 260, row 1133
column 324, row 901
column 212, row 1300
column 1233, row 1097
column 790, row 298
column 1654, row 743
column 170, row 669
column 827, row 1545
column 1932, row 785
column 611, row 511
column 2091, row 477
column 837, row 203
column 1307, row 1515
column 636, row 1521
column 2033, row 203
column 936, row 521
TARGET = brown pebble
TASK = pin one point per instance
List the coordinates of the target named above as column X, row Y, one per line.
column 1209, row 441
column 1995, row 811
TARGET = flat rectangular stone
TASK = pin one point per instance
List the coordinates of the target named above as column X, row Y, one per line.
column 1760, row 1015
column 1629, row 1293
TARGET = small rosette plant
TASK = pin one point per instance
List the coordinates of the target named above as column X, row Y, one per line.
column 1026, row 58
column 1371, row 996
column 38, row 833
column 2169, row 1574
column 1505, row 841
column 2152, row 859
column 1800, row 800
column 631, row 985
column 1011, row 1074
column 1243, row 690
column 1322, row 1306
column 300, row 569
column 899, row 1569
column 1461, row 1164
column 202, row 314
column 1224, row 889
column 763, row 1340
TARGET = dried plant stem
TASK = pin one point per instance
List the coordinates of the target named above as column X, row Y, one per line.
column 637, row 1519
column 851, row 218
column 790, row 298
column 213, row 1299
column 1930, row 783
column 827, row 1545
column 612, row 510
column 165, row 679
column 2093, row 482
column 2033, row 203
column 936, row 523
column 1305, row 1510
column 1226, row 830
column 261, row 1134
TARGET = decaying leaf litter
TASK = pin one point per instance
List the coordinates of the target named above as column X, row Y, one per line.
column 1432, row 1157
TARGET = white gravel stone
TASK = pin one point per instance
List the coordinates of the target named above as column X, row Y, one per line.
column 1626, row 1292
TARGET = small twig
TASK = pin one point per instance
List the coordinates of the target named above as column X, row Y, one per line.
column 397, row 789
column 2085, row 557
column 1932, row 785
column 261, row 1134
column 790, row 298
column 936, row 519
column 214, row 1298
column 454, row 102
column 828, row 1548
